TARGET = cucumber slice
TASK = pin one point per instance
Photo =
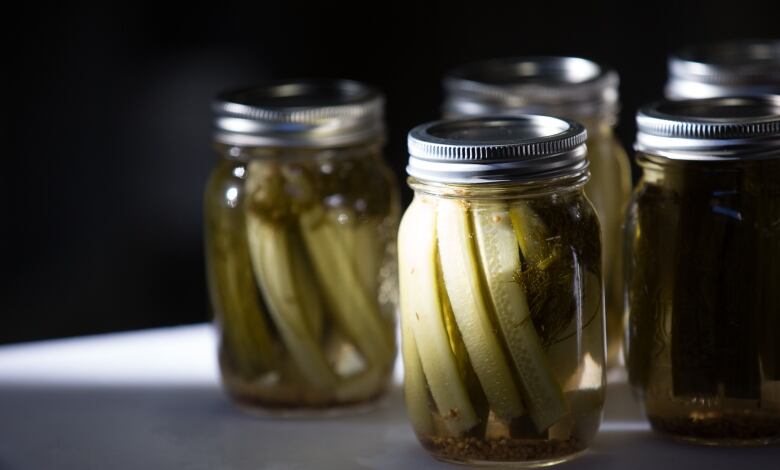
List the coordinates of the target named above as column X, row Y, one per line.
column 415, row 388
column 311, row 300
column 270, row 252
column 357, row 314
column 500, row 261
column 422, row 316
column 462, row 279
column 238, row 311
column 368, row 254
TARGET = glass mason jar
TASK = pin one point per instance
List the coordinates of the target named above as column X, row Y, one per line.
column 703, row 270
column 301, row 214
column 501, row 292
column 734, row 68
column 577, row 89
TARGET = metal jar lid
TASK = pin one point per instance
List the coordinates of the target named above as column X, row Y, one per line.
column 713, row 129
column 299, row 113
column 737, row 68
column 560, row 86
column 496, row 149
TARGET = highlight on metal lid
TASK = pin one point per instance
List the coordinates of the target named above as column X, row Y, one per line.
column 713, row 129
column 299, row 113
column 565, row 86
column 496, row 149
column 734, row 68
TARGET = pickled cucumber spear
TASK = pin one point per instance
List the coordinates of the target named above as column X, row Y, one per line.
column 357, row 314
column 232, row 285
column 415, row 387
column 293, row 291
column 354, row 310
column 500, row 261
column 311, row 301
column 289, row 300
column 462, row 361
column 422, row 316
column 368, row 251
column 462, row 280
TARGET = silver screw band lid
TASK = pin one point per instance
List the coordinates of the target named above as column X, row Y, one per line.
column 560, row 86
column 713, row 129
column 736, row 68
column 299, row 113
column 496, row 149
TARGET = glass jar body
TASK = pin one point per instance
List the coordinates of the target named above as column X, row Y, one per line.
column 702, row 277
column 609, row 189
column 300, row 250
column 502, row 322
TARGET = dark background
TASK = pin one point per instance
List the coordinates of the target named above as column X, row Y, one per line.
column 107, row 137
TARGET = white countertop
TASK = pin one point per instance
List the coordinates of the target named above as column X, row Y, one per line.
column 151, row 400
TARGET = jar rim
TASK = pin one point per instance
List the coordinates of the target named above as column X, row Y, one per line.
column 312, row 113
column 496, row 149
column 717, row 129
column 566, row 86
column 741, row 67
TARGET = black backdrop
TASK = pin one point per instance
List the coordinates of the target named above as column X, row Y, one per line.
column 106, row 121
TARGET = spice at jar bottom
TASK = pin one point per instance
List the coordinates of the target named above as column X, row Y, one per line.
column 502, row 310
column 501, row 449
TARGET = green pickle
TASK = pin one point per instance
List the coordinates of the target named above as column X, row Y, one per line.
column 503, row 325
